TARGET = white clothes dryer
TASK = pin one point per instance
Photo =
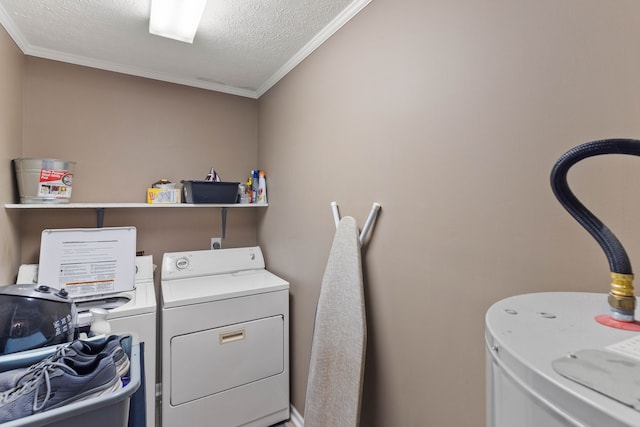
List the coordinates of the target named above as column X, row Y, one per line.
column 129, row 311
column 225, row 339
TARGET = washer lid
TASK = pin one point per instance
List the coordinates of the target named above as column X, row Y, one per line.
column 88, row 261
column 195, row 290
column 526, row 333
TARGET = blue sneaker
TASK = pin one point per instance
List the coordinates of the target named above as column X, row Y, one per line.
column 80, row 351
column 59, row 383
column 112, row 346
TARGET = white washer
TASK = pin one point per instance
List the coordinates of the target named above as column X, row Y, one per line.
column 225, row 339
column 129, row 311
column 525, row 335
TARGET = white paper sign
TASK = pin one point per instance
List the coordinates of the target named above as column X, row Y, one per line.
column 88, row 261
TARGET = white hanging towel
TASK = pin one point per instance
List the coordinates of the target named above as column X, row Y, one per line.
column 334, row 388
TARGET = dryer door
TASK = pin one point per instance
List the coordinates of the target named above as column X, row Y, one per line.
column 226, row 357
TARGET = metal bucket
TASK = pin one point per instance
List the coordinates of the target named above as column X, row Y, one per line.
column 44, row 180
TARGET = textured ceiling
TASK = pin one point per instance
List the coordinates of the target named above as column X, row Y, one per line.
column 242, row 47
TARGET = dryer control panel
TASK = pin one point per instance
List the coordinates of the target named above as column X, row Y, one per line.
column 183, row 265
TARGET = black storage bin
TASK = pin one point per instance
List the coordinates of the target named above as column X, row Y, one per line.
column 210, row 192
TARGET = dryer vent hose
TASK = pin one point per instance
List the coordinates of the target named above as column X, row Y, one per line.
column 621, row 298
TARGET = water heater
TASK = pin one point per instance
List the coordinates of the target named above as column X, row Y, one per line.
column 528, row 336
column 565, row 358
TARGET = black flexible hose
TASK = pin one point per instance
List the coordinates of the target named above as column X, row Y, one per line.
column 616, row 255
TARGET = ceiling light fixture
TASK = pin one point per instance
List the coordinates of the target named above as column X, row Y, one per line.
column 176, row 19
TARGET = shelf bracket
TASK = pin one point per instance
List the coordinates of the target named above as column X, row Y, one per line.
column 99, row 217
column 223, row 214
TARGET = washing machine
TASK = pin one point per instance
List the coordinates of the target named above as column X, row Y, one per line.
column 551, row 363
column 133, row 310
column 225, row 339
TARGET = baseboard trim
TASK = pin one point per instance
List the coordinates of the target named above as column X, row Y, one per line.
column 296, row 418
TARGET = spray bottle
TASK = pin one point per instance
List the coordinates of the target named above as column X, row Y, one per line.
column 262, row 188
column 248, row 189
column 254, row 186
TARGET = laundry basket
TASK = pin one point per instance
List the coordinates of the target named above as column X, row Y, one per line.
column 109, row 410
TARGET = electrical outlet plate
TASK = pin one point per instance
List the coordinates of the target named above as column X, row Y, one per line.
column 216, row 243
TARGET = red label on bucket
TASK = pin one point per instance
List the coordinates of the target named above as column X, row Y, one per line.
column 55, row 183
column 47, row 175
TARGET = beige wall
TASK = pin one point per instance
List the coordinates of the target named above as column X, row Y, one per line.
column 11, row 83
column 127, row 132
column 451, row 114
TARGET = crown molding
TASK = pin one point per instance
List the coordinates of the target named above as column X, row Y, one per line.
column 344, row 17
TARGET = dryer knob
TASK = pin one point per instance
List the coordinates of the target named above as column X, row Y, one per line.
column 182, row 263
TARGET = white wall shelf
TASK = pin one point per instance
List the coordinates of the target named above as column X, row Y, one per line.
column 100, row 208
column 129, row 205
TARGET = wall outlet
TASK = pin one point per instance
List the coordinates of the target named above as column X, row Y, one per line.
column 216, row 243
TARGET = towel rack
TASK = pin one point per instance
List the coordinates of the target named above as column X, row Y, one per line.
column 373, row 213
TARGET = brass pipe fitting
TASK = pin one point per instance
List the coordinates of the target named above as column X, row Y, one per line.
column 621, row 296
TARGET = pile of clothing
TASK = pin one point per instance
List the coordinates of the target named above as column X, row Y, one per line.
column 76, row 371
